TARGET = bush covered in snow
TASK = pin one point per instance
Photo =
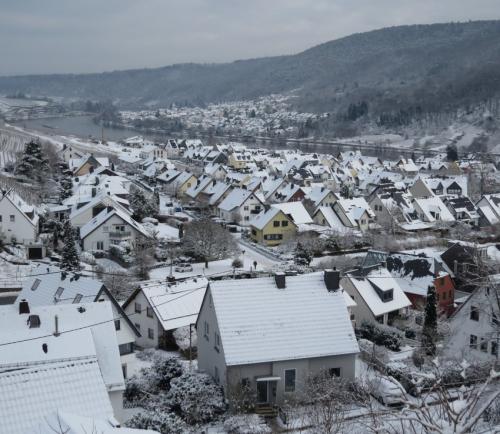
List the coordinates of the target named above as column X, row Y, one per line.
column 196, row 397
column 181, row 336
column 246, row 424
column 163, row 422
column 380, row 335
column 88, row 258
column 161, row 373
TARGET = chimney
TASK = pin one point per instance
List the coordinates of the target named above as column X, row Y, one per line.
column 280, row 280
column 24, row 307
column 34, row 321
column 56, row 324
column 332, row 279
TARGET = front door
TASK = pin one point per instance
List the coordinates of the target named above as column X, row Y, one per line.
column 262, row 392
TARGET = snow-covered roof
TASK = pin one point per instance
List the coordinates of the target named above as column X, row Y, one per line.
column 176, row 305
column 383, row 280
column 235, row 199
column 354, row 208
column 260, row 323
column 86, row 330
column 432, row 207
column 332, row 220
column 30, row 394
column 262, row 219
column 105, row 215
column 296, row 210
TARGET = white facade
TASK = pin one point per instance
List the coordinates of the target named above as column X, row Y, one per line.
column 15, row 225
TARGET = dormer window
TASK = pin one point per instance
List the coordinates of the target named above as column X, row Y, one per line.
column 387, row 295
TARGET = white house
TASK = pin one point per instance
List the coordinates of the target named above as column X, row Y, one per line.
column 59, row 357
column 272, row 333
column 157, row 309
column 377, row 295
column 58, row 287
column 475, row 327
column 110, row 227
column 18, row 220
column 240, row 204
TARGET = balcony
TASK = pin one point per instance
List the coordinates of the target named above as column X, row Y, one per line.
column 120, row 234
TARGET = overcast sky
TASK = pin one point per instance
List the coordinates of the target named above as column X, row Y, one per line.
column 44, row 36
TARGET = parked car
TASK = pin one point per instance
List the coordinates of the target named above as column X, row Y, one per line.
column 183, row 267
column 388, row 391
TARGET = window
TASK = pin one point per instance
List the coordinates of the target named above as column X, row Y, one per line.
column 290, row 375
column 124, row 370
column 100, row 245
column 12, row 218
column 105, row 228
column 151, row 334
column 254, row 232
column 138, row 327
column 474, row 313
column 334, row 372
column 484, row 345
column 352, row 317
column 387, row 295
column 137, row 308
column 441, row 281
column 149, row 312
column 0, row 219
column 276, row 224
column 59, row 292
column 245, row 382
column 117, row 324
column 35, row 284
column 494, row 319
column 473, row 342
column 78, row 298
column 494, row 348
column 216, row 374
column 206, row 330
column 284, row 223
column 245, row 208
column 217, row 341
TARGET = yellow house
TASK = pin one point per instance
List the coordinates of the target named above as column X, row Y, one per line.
column 272, row 227
column 239, row 160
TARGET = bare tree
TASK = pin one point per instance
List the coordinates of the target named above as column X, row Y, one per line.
column 208, row 240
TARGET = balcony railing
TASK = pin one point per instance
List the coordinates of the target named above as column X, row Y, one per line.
column 119, row 234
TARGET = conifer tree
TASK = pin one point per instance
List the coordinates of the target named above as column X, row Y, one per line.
column 429, row 330
column 70, row 260
column 32, row 163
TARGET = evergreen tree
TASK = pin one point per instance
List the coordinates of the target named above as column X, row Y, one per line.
column 70, row 260
column 429, row 330
column 66, row 187
column 143, row 206
column 32, row 163
column 451, row 153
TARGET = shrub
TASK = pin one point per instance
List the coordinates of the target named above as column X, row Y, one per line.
column 196, row 398
column 380, row 336
column 161, row 373
column 237, row 263
column 246, row 424
column 163, row 422
column 132, row 389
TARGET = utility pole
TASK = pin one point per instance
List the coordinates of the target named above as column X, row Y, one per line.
column 190, row 347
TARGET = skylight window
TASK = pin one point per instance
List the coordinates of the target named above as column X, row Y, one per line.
column 78, row 298
column 59, row 292
column 35, row 284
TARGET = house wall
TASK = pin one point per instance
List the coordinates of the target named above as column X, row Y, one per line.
column 125, row 335
column 304, row 369
column 361, row 311
column 144, row 322
column 287, row 232
column 251, row 204
column 208, row 357
column 329, row 200
column 100, row 234
column 462, row 327
column 116, row 398
column 420, row 190
column 21, row 229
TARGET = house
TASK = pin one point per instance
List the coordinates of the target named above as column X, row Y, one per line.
column 488, row 208
column 326, row 216
column 377, row 295
column 272, row 227
column 87, row 164
column 432, row 210
column 175, row 182
column 239, row 160
column 157, row 310
column 60, row 287
column 414, row 274
column 110, row 227
column 240, row 206
column 296, row 211
column 18, row 220
column 290, row 192
column 463, row 210
column 79, row 216
column 475, row 327
column 269, row 334
column 321, row 196
column 45, row 349
column 354, row 213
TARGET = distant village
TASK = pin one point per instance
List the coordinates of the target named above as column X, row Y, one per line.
column 187, row 287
